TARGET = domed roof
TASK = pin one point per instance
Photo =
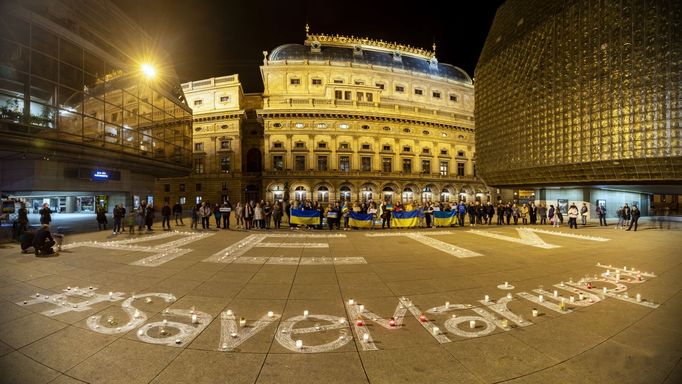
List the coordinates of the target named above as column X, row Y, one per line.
column 371, row 57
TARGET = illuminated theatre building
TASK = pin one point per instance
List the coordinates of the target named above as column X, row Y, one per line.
column 585, row 96
column 340, row 119
column 82, row 121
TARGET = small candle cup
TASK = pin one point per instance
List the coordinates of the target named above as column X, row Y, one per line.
column 299, row 344
column 535, row 312
column 271, row 314
column 472, row 324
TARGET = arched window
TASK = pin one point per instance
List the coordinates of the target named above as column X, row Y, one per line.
column 427, row 195
column 387, row 193
column 445, row 195
column 345, row 193
column 407, row 194
column 323, row 194
column 300, row 193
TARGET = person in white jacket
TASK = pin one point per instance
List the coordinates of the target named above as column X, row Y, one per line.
column 573, row 216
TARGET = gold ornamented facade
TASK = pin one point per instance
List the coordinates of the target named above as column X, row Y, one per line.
column 581, row 92
column 339, row 118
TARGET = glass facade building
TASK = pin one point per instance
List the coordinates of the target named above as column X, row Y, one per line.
column 581, row 92
column 79, row 115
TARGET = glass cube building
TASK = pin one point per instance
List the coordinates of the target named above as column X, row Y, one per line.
column 581, row 92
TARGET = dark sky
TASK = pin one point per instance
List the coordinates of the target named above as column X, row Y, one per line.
column 209, row 38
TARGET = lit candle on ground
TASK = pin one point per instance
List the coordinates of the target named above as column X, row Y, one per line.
column 305, row 314
column 572, row 299
column 604, row 289
column 535, row 312
column 436, row 331
column 562, row 284
column 506, row 284
column 391, row 322
column 233, row 334
column 359, row 322
column 505, row 323
column 486, row 298
column 140, row 332
column 148, row 300
column 271, row 314
column 422, row 318
column 580, row 296
column 165, row 322
column 351, row 301
column 541, row 298
column 178, row 341
column 509, row 296
column 447, row 304
column 472, row 324
column 362, row 308
column 111, row 295
column 242, row 322
column 229, row 312
column 638, row 298
column 556, row 293
column 195, row 319
column 626, row 295
column 299, row 344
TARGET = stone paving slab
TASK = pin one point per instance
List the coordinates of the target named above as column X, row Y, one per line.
column 287, row 287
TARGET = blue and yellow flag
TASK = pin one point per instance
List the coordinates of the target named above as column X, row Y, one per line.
column 309, row 217
column 444, row 219
column 360, row 220
column 405, row 219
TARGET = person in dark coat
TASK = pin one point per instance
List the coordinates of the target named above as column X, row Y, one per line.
column 177, row 211
column 26, row 239
column 225, row 212
column 635, row 214
column 149, row 216
column 43, row 241
column 45, row 214
column 101, row 218
column 165, row 216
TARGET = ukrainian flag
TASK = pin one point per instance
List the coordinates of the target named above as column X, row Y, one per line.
column 405, row 219
column 360, row 220
column 309, row 217
column 444, row 219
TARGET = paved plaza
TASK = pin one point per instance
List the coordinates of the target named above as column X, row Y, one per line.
column 458, row 305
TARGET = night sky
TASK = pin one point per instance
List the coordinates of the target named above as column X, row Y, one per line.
column 210, row 38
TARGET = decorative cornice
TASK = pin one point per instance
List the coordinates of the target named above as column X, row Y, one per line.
column 367, row 43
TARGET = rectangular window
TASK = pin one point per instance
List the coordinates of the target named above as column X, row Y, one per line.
column 224, row 99
column 338, row 81
column 399, row 88
column 317, row 81
column 444, row 152
column 198, row 199
column 444, row 171
column 344, row 163
column 360, row 96
column 359, row 82
column 199, row 165
column 366, row 164
column 225, row 164
column 321, row 163
column 407, row 165
column 344, row 146
column 278, row 163
column 338, row 95
column 183, row 200
column 225, row 144
column 407, row 149
column 380, row 85
column 198, row 102
column 418, row 92
column 426, row 151
column 347, row 95
column 453, row 98
column 181, row 187
column 366, row 147
column 299, row 164
column 199, row 147
column 386, row 148
column 460, row 169
column 370, row 97
column 299, row 145
column 386, row 164
column 166, row 187
column 322, row 145
column 294, row 81
column 198, row 187
column 114, row 116
column 436, row 95
column 277, row 145
column 426, row 166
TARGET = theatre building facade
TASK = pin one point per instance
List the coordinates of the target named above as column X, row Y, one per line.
column 340, row 118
